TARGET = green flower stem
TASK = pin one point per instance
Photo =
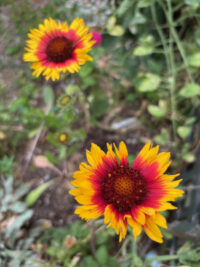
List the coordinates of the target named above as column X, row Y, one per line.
column 177, row 40
column 134, row 251
column 136, row 260
column 169, row 56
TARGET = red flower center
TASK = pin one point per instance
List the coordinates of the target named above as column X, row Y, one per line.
column 124, row 188
column 59, row 49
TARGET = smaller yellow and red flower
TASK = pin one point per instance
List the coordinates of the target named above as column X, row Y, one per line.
column 63, row 138
column 56, row 47
column 124, row 194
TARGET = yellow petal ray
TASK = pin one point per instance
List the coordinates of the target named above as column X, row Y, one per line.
column 148, row 211
column 81, row 192
column 88, row 212
column 168, row 178
column 151, row 155
column 122, row 152
column 109, row 217
column 140, row 218
column 166, row 206
column 83, row 199
column 152, row 230
column 110, row 154
column 83, row 184
column 160, row 220
column 136, row 227
column 144, row 150
column 97, row 154
column 119, row 225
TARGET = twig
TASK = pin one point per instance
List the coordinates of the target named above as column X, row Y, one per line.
column 34, row 144
column 190, row 187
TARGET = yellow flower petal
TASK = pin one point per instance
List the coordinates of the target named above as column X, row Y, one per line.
column 122, row 152
column 152, row 230
column 160, row 220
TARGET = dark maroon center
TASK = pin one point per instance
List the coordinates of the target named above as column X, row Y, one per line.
column 124, row 188
column 59, row 49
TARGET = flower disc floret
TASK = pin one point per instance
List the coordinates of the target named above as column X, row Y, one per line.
column 124, row 188
column 59, row 49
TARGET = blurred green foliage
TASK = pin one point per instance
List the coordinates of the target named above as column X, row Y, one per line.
column 148, row 62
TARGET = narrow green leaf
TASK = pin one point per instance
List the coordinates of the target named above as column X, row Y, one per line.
column 33, row 196
column 144, row 3
column 124, row 7
column 48, row 95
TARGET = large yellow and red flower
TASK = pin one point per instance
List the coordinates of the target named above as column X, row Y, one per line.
column 56, row 47
column 133, row 195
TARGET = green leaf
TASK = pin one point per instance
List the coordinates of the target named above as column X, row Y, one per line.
column 149, row 261
column 183, row 131
column 144, row 3
column 158, row 111
column 89, row 261
column 194, row 60
column 190, row 121
column 17, row 207
column 48, row 95
column 147, row 82
column 193, row 2
column 124, row 7
column 112, row 262
column 111, row 22
column 88, row 81
column 190, row 90
column 98, row 107
column 189, row 157
column 147, row 40
column 88, row 67
column 138, row 18
column 72, row 88
column 163, row 138
column 143, row 50
column 188, row 255
column 133, row 28
column 102, row 255
column 33, row 196
column 197, row 36
column 18, row 222
column 116, row 30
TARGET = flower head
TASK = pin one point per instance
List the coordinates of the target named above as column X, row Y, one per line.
column 97, row 37
column 124, row 194
column 56, row 47
column 63, row 138
column 64, row 100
